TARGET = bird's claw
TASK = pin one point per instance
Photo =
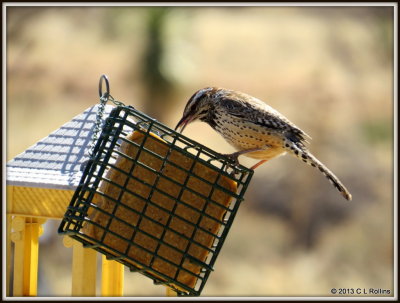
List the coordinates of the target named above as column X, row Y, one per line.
column 233, row 158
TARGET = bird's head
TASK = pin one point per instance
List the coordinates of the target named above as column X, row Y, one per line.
column 197, row 108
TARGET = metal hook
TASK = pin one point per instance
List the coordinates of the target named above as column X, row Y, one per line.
column 107, row 93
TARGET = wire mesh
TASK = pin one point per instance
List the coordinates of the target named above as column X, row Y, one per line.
column 156, row 201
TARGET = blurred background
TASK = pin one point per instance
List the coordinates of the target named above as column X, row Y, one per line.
column 328, row 69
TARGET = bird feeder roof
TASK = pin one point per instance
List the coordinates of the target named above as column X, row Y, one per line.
column 55, row 161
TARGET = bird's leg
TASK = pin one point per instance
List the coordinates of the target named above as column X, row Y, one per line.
column 258, row 164
column 234, row 156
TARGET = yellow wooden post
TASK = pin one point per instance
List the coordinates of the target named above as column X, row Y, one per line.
column 31, row 257
column 112, row 278
column 84, row 269
column 18, row 237
column 26, row 251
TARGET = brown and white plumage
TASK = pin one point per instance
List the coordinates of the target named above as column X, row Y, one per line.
column 253, row 128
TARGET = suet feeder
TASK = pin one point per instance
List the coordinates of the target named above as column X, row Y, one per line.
column 151, row 198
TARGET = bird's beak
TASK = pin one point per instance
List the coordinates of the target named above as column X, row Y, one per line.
column 182, row 123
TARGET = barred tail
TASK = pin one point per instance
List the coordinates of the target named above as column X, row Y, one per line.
column 310, row 159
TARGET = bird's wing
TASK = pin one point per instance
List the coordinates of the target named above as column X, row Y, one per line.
column 257, row 112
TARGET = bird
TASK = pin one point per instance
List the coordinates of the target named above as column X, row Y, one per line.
column 253, row 128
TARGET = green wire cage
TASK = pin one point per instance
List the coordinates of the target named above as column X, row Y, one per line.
column 156, row 201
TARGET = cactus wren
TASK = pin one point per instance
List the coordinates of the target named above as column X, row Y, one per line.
column 253, row 128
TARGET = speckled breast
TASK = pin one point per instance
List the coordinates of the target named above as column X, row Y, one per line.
column 243, row 135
